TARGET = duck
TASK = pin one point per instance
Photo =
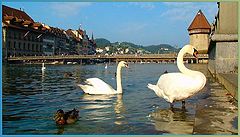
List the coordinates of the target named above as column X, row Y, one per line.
column 63, row 118
column 67, row 74
column 181, row 85
column 98, row 86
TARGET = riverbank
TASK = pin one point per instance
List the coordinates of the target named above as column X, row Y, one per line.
column 230, row 82
column 217, row 114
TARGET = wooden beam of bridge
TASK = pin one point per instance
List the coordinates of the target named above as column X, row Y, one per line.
column 125, row 56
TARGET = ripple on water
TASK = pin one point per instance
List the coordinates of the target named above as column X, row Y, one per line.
column 31, row 98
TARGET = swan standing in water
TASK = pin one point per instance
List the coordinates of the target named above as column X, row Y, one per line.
column 179, row 86
column 98, row 86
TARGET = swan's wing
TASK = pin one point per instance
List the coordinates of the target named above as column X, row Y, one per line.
column 97, row 86
column 177, row 85
column 97, row 83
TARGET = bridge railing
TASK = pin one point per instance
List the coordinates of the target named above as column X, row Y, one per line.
column 130, row 56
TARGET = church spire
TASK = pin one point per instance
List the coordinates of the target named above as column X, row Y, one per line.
column 92, row 37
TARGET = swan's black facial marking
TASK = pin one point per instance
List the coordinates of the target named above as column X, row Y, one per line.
column 126, row 65
column 195, row 53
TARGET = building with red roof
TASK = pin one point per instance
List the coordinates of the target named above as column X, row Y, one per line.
column 21, row 35
column 199, row 31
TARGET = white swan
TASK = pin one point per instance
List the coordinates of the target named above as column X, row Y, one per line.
column 179, row 86
column 97, row 86
column 106, row 66
column 43, row 67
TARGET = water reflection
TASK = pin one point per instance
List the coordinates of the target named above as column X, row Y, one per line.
column 43, row 75
column 174, row 121
column 99, row 106
column 119, row 109
column 96, row 101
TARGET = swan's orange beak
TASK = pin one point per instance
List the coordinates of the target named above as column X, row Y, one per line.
column 126, row 65
column 195, row 53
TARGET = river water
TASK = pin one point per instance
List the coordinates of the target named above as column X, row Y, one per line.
column 31, row 97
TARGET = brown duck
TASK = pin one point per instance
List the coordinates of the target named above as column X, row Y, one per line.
column 69, row 117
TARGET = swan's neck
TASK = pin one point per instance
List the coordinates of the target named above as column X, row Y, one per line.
column 119, row 80
column 181, row 65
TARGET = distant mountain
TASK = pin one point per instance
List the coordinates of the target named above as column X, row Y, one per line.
column 161, row 48
column 101, row 42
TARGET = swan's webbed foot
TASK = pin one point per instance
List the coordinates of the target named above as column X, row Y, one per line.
column 183, row 104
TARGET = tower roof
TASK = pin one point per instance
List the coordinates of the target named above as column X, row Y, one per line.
column 199, row 22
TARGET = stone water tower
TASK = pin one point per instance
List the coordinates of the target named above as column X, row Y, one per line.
column 199, row 31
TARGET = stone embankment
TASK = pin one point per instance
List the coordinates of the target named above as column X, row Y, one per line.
column 218, row 113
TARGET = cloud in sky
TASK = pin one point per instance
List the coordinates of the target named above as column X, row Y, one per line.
column 144, row 5
column 184, row 10
column 131, row 27
column 143, row 23
column 66, row 9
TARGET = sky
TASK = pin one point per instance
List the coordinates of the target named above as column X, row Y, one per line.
column 142, row 23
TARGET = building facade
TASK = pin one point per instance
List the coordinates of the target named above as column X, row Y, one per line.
column 22, row 36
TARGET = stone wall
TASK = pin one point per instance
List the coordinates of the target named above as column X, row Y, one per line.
column 223, row 48
column 226, row 57
column 228, row 18
column 200, row 41
column 223, row 56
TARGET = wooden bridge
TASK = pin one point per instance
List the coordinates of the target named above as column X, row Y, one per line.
column 202, row 58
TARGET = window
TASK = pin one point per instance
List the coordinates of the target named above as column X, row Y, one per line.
column 28, row 46
column 9, row 34
column 9, row 45
column 14, row 45
column 37, row 47
column 24, row 46
column 19, row 45
column 15, row 35
column 20, row 36
column 40, row 48
column 33, row 49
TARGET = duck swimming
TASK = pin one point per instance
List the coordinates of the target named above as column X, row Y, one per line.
column 67, row 74
column 69, row 117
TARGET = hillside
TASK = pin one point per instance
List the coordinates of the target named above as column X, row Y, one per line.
column 154, row 49
column 101, row 42
column 161, row 48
